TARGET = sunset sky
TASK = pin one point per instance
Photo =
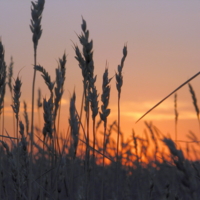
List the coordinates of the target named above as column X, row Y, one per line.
column 163, row 52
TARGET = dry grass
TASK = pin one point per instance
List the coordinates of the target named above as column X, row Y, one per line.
column 46, row 164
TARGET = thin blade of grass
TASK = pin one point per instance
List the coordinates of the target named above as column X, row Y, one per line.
column 168, row 96
column 8, row 137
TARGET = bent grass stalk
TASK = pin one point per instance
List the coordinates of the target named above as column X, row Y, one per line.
column 60, row 78
column 62, row 63
column 178, row 88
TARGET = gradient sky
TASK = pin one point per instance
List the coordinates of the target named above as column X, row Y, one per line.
column 163, row 51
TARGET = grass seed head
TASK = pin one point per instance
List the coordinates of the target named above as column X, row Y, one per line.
column 48, row 117
column 105, row 96
column 10, row 74
column 118, row 76
column 16, row 97
column 46, row 77
column 26, row 117
column 93, row 97
column 194, row 99
column 74, row 122
column 36, row 14
column 2, row 76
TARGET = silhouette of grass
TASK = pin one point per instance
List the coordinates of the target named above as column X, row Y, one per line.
column 58, row 166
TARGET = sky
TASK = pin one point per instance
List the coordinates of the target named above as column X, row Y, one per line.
column 163, row 45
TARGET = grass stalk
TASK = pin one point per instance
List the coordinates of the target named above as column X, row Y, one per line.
column 16, row 108
column 16, row 103
column 104, row 115
column 10, row 75
column 176, row 115
column 86, row 64
column 74, row 124
column 104, row 144
column 119, row 83
column 178, row 88
column 2, row 83
column 36, row 12
column 39, row 105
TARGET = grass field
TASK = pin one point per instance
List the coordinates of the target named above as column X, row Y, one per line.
column 44, row 164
